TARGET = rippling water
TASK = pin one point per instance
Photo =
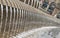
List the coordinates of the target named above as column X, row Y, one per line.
column 44, row 32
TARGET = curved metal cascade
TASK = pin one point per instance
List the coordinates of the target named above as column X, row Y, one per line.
column 17, row 17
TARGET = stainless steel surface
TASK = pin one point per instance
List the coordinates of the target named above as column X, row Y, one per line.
column 17, row 17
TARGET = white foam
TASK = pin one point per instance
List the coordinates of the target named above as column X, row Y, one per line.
column 25, row 34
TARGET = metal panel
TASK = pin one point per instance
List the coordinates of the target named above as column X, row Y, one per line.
column 1, row 18
column 5, row 28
